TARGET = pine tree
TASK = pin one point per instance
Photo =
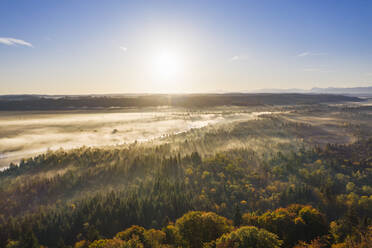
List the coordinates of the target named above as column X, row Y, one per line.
column 237, row 216
column 29, row 240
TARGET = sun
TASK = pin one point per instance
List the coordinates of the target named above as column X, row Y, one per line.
column 167, row 64
column 168, row 67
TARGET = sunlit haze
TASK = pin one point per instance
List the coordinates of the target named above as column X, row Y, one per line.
column 84, row 47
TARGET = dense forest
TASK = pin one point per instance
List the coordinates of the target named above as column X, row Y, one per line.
column 195, row 189
column 26, row 102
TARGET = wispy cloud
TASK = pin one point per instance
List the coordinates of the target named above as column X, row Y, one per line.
column 14, row 42
column 304, row 54
column 123, row 48
column 238, row 58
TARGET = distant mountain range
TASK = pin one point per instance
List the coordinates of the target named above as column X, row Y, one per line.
column 351, row 91
column 356, row 91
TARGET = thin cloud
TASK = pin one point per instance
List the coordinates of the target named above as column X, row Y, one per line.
column 238, row 58
column 14, row 42
column 304, row 54
column 123, row 48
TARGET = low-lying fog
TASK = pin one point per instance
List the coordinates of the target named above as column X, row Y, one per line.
column 25, row 134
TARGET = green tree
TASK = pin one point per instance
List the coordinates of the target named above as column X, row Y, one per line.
column 29, row 240
column 132, row 232
column 249, row 236
column 296, row 222
column 198, row 227
column 172, row 236
column 116, row 243
column 237, row 216
column 12, row 244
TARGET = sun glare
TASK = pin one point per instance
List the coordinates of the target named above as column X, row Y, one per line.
column 167, row 65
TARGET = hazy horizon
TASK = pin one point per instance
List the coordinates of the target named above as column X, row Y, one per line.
column 312, row 90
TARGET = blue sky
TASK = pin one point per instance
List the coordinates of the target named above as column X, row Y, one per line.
column 81, row 46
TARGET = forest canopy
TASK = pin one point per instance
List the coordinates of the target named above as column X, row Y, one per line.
column 256, row 183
